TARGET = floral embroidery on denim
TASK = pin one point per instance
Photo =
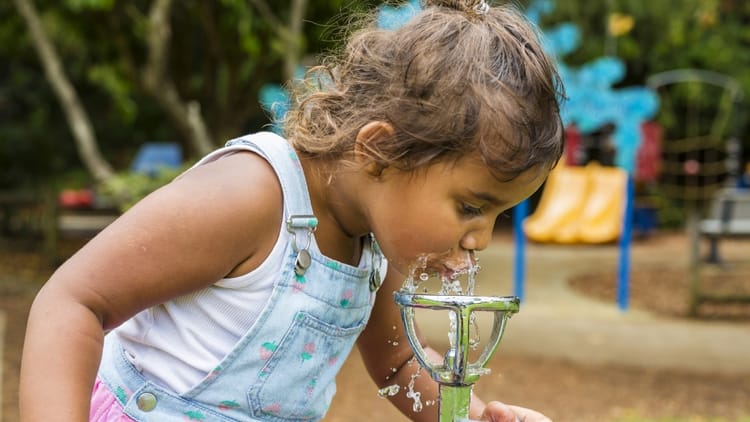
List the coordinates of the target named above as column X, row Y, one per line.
column 267, row 349
column 228, row 405
column 308, row 352
column 195, row 415
column 311, row 387
column 333, row 359
column 346, row 298
column 121, row 394
column 272, row 408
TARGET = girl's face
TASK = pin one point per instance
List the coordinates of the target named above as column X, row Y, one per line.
column 439, row 213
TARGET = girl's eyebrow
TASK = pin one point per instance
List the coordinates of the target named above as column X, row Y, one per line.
column 488, row 197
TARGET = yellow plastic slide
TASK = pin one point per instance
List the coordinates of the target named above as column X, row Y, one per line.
column 579, row 205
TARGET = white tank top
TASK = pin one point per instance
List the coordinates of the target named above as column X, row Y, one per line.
column 177, row 343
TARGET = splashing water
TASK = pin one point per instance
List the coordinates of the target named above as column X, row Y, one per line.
column 410, row 285
column 389, row 391
column 450, row 285
column 412, row 394
column 450, row 278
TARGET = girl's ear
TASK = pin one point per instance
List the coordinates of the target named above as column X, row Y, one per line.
column 366, row 150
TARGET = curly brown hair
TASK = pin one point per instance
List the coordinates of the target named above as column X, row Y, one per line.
column 459, row 77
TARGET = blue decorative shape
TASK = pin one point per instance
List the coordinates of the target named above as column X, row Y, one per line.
column 275, row 101
column 154, row 156
column 562, row 39
column 274, row 98
column 391, row 18
column 538, row 8
column 592, row 101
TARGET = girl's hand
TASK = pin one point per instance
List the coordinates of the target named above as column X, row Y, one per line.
column 499, row 412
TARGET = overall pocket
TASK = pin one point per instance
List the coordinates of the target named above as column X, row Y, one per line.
column 297, row 383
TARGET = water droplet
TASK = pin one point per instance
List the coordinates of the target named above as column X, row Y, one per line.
column 415, row 395
column 389, row 391
column 424, row 276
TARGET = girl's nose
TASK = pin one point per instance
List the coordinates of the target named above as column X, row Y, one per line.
column 478, row 239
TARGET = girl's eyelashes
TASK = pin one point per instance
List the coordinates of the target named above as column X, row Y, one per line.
column 470, row 210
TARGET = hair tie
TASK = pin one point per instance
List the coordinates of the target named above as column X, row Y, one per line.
column 470, row 7
column 482, row 7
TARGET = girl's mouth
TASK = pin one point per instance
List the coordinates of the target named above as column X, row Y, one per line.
column 449, row 270
column 445, row 265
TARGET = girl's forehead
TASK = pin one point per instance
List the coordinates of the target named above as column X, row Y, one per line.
column 476, row 173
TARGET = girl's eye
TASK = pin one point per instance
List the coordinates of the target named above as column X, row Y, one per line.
column 470, row 211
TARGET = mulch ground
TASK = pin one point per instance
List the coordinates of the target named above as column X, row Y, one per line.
column 665, row 290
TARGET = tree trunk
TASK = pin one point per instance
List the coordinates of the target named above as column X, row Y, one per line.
column 187, row 114
column 78, row 120
column 294, row 51
column 291, row 33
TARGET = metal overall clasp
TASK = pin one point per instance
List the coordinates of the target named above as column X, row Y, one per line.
column 302, row 228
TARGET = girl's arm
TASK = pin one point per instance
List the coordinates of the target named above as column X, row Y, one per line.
column 381, row 357
column 206, row 225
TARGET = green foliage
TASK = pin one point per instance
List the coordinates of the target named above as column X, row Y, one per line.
column 127, row 188
column 111, row 80
column 703, row 34
column 708, row 35
column 670, row 214
column 79, row 5
column 220, row 54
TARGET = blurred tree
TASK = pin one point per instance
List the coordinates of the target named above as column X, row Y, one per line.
column 188, row 71
column 657, row 36
column 216, row 55
column 78, row 119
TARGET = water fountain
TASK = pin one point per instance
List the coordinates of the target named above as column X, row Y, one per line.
column 456, row 375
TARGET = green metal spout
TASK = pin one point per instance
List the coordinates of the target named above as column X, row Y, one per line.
column 454, row 402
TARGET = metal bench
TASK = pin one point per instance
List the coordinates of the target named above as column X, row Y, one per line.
column 729, row 216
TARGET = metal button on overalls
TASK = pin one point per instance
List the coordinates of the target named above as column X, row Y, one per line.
column 146, row 402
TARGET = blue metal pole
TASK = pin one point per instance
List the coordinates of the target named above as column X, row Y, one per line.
column 520, row 212
column 623, row 275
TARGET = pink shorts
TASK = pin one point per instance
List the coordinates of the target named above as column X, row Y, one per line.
column 104, row 405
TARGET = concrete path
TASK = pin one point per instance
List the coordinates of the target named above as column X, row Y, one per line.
column 555, row 321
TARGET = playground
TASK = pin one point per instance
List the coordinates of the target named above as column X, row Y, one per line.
column 632, row 262
column 570, row 352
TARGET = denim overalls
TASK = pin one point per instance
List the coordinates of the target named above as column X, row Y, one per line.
column 284, row 367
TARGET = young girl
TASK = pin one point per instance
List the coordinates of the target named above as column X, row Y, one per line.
column 236, row 292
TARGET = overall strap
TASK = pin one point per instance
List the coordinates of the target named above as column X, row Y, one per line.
column 285, row 162
column 298, row 214
column 300, row 221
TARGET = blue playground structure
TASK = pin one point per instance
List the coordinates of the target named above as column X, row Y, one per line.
column 592, row 104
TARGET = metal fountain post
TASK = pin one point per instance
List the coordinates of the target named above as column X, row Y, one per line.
column 456, row 374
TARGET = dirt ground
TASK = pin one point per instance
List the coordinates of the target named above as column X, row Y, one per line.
column 563, row 390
